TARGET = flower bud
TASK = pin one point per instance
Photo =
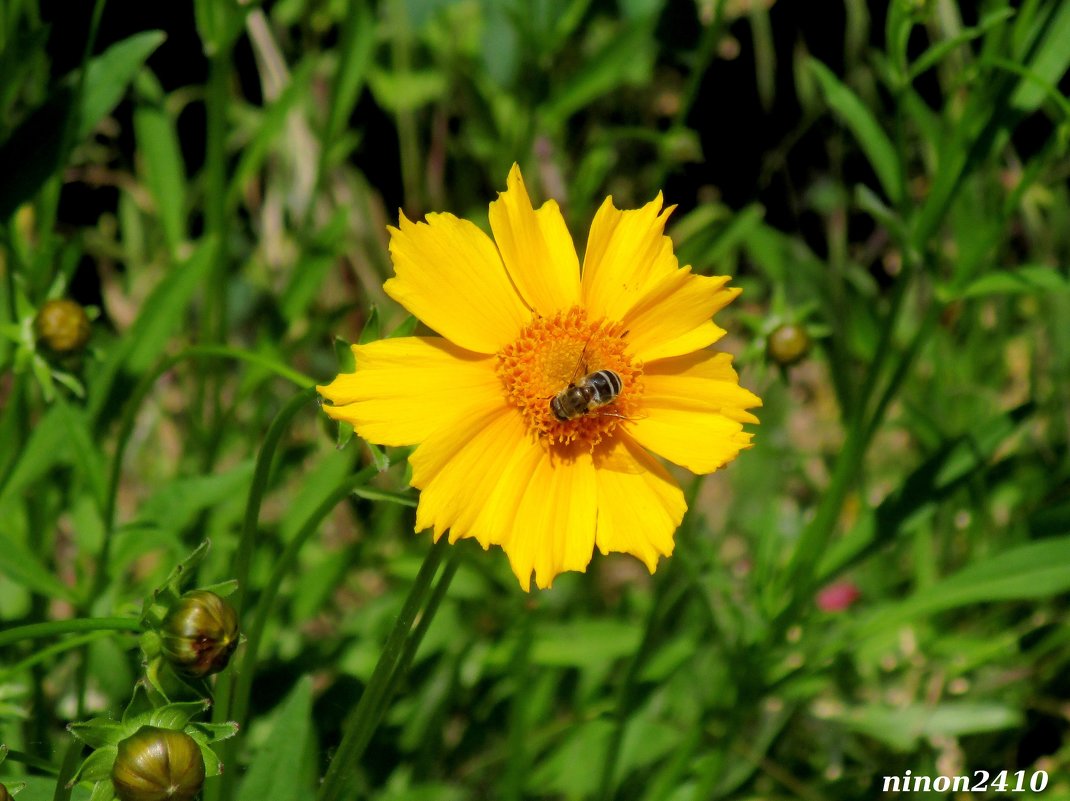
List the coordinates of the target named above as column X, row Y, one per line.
column 199, row 634
column 838, row 597
column 62, row 325
column 158, row 765
column 788, row 344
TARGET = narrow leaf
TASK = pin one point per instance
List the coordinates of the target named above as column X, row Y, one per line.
column 871, row 137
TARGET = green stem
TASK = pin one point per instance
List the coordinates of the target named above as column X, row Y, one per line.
column 667, row 593
column 814, row 538
column 56, row 628
column 264, row 461
column 241, row 677
column 517, row 760
column 362, row 724
column 45, row 654
column 30, row 761
column 232, row 698
column 422, row 625
column 71, row 757
column 223, row 706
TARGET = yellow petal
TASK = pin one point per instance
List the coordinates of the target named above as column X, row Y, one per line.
column 701, row 441
column 639, row 504
column 554, row 527
column 490, row 480
column 627, row 253
column 460, row 468
column 673, row 316
column 536, row 247
column 404, row 389
column 703, row 381
column 449, row 274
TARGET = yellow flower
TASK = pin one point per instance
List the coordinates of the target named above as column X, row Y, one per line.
column 519, row 323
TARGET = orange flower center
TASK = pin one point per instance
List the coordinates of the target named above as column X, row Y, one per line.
column 554, row 355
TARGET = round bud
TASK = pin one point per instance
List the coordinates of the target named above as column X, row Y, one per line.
column 62, row 325
column 788, row 344
column 199, row 634
column 158, row 765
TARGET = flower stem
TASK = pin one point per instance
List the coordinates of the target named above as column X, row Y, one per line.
column 30, row 761
column 264, row 460
column 71, row 757
column 422, row 625
column 57, row 627
column 666, row 595
column 241, row 677
column 518, row 758
column 362, row 724
column 224, row 706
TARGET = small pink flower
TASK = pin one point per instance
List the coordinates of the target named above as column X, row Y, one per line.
column 838, row 597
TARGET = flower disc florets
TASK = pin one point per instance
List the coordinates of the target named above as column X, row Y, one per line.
column 553, row 352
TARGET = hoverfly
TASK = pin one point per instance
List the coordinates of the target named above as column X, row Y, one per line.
column 592, row 391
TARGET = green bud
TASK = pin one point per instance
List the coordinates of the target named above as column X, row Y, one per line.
column 62, row 325
column 158, row 765
column 788, row 344
column 199, row 634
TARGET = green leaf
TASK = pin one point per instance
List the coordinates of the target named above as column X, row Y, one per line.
column 902, row 727
column 272, row 773
column 161, row 159
column 373, row 494
column 995, row 109
column 406, row 91
column 43, row 788
column 103, row 791
column 271, row 123
column 97, row 766
column 1035, row 570
column 625, row 58
column 874, row 142
column 99, row 732
column 109, row 74
column 603, row 642
column 356, row 46
column 567, row 773
column 935, row 54
column 161, row 315
column 43, row 451
column 1029, row 280
column 372, row 331
column 219, row 22
column 34, row 151
column 1046, row 57
column 83, row 448
column 708, row 234
column 177, row 503
column 943, row 472
column 214, row 732
column 177, row 715
column 22, row 566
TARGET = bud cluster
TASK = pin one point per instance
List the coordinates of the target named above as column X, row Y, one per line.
column 159, row 751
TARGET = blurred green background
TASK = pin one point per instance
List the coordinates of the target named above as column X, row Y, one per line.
column 211, row 182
